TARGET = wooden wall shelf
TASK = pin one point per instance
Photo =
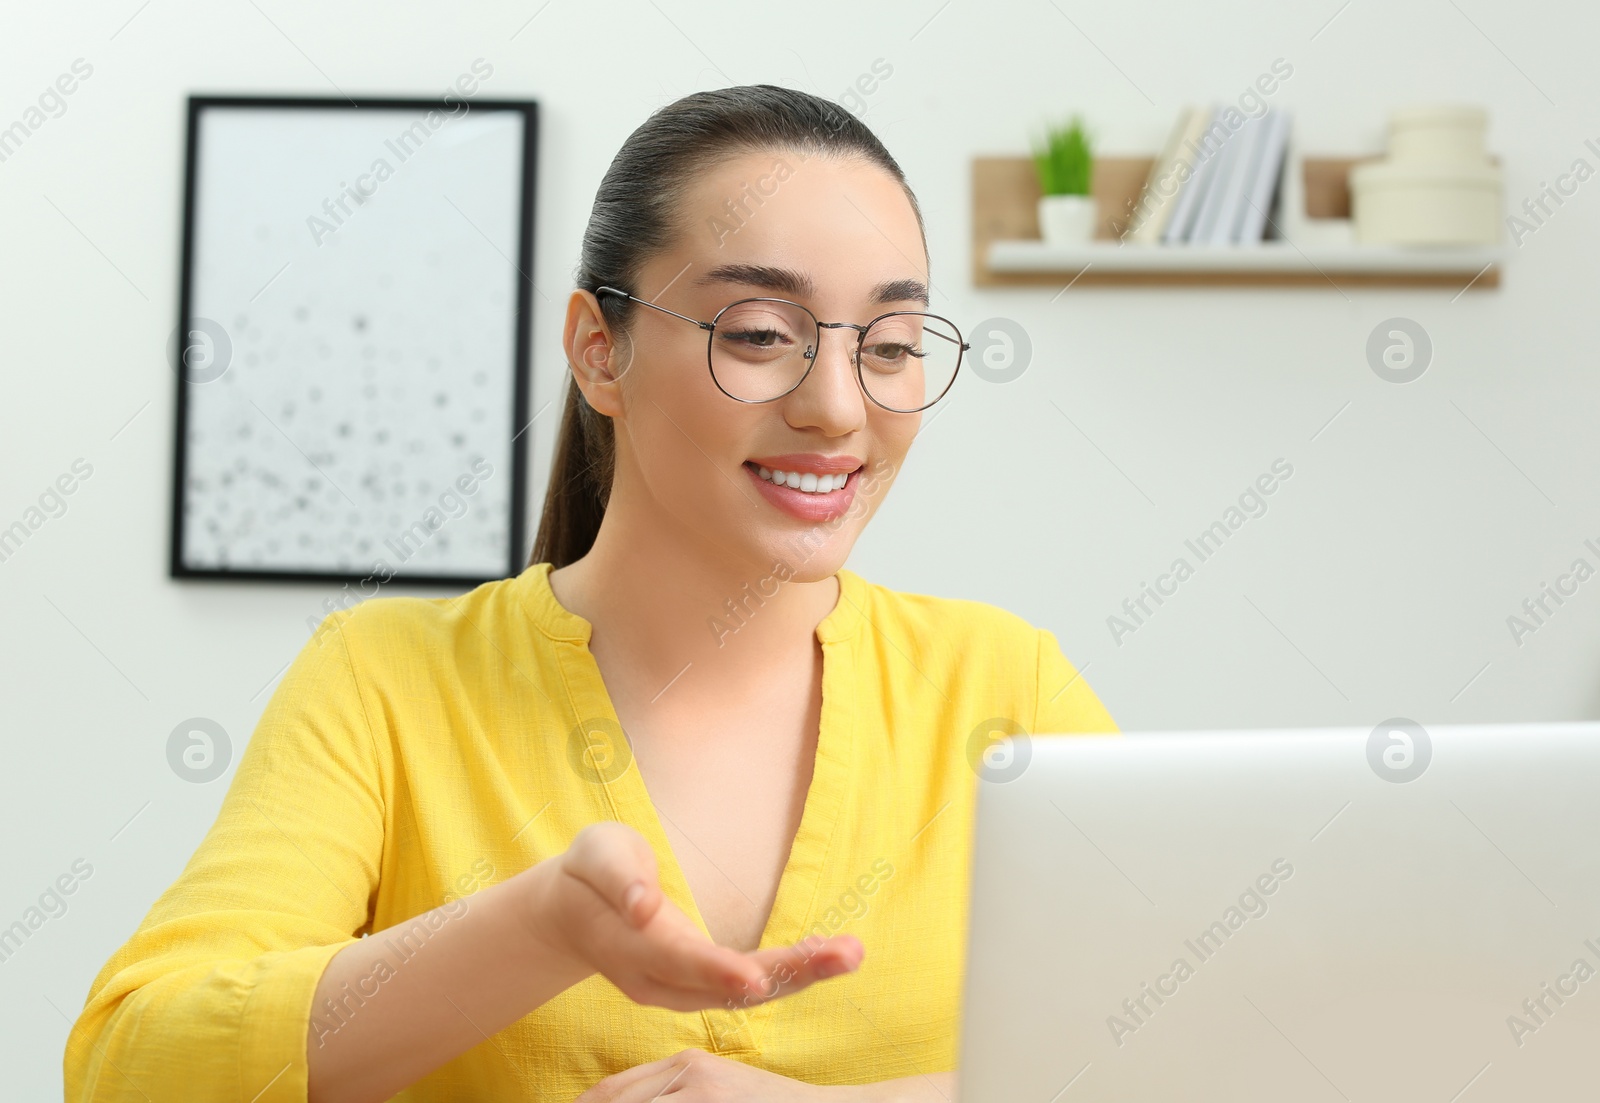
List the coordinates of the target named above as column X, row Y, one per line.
column 1007, row 252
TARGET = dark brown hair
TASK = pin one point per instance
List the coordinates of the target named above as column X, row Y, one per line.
column 635, row 216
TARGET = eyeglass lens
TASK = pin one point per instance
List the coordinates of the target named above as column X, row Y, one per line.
column 761, row 348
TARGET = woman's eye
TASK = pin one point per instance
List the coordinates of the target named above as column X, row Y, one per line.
column 892, row 351
column 760, row 338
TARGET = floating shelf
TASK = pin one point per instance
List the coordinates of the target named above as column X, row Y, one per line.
column 1277, row 259
column 1007, row 251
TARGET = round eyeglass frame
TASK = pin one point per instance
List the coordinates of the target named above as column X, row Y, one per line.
column 861, row 335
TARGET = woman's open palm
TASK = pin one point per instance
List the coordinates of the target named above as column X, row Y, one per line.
column 601, row 902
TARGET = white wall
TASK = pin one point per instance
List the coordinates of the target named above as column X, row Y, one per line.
column 1412, row 527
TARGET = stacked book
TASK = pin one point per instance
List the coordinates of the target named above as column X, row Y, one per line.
column 1215, row 181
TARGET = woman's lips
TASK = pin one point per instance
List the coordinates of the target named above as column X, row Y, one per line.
column 802, row 505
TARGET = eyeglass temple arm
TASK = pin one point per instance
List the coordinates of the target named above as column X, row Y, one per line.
column 653, row 306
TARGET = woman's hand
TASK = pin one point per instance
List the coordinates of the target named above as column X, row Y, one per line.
column 600, row 905
column 695, row 1076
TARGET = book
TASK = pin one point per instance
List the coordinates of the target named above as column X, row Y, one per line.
column 1201, row 161
column 1214, row 224
column 1267, row 177
column 1160, row 194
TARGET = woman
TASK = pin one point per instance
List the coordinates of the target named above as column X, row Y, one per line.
column 557, row 911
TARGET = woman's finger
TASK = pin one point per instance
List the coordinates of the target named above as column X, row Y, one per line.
column 791, row 968
column 705, row 974
column 661, row 1084
column 663, row 1079
column 611, row 1087
column 693, row 963
column 618, row 864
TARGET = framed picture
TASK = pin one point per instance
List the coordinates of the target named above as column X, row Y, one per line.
column 352, row 342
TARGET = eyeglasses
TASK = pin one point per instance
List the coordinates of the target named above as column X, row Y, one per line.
column 760, row 349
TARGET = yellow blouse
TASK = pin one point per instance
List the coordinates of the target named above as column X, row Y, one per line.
column 417, row 750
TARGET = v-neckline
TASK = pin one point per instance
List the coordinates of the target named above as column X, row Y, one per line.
column 628, row 799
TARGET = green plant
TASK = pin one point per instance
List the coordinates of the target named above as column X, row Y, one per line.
column 1065, row 159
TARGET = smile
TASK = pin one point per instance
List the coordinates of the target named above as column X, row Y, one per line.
column 807, row 482
column 812, row 496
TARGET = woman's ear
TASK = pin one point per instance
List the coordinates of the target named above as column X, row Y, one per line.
column 598, row 360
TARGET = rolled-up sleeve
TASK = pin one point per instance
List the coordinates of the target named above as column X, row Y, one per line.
column 211, row 996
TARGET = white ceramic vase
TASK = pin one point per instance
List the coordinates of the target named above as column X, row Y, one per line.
column 1067, row 219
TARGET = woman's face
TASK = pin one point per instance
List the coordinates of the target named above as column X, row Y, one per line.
column 840, row 238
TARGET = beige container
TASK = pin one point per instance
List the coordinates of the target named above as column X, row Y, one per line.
column 1435, row 133
column 1436, row 187
column 1396, row 203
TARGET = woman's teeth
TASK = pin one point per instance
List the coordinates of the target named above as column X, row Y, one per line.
column 809, row 482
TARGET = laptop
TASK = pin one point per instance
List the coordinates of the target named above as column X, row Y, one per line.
column 1402, row 913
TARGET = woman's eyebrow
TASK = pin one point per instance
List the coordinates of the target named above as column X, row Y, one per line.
column 798, row 285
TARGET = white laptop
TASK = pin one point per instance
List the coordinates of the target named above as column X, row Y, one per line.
column 1395, row 914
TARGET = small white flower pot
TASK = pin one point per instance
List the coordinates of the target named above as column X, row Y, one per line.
column 1067, row 219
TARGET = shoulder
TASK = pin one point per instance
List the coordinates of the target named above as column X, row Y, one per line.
column 956, row 620
column 978, row 656
column 396, row 628
column 943, row 637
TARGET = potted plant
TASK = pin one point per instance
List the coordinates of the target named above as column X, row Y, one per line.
column 1065, row 163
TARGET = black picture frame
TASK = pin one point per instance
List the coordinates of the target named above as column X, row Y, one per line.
column 526, row 205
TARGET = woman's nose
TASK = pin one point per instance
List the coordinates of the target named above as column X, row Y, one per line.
column 831, row 393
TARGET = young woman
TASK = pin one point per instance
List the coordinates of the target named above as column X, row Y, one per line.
column 442, row 870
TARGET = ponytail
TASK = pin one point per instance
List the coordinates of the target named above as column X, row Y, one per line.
column 580, row 483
